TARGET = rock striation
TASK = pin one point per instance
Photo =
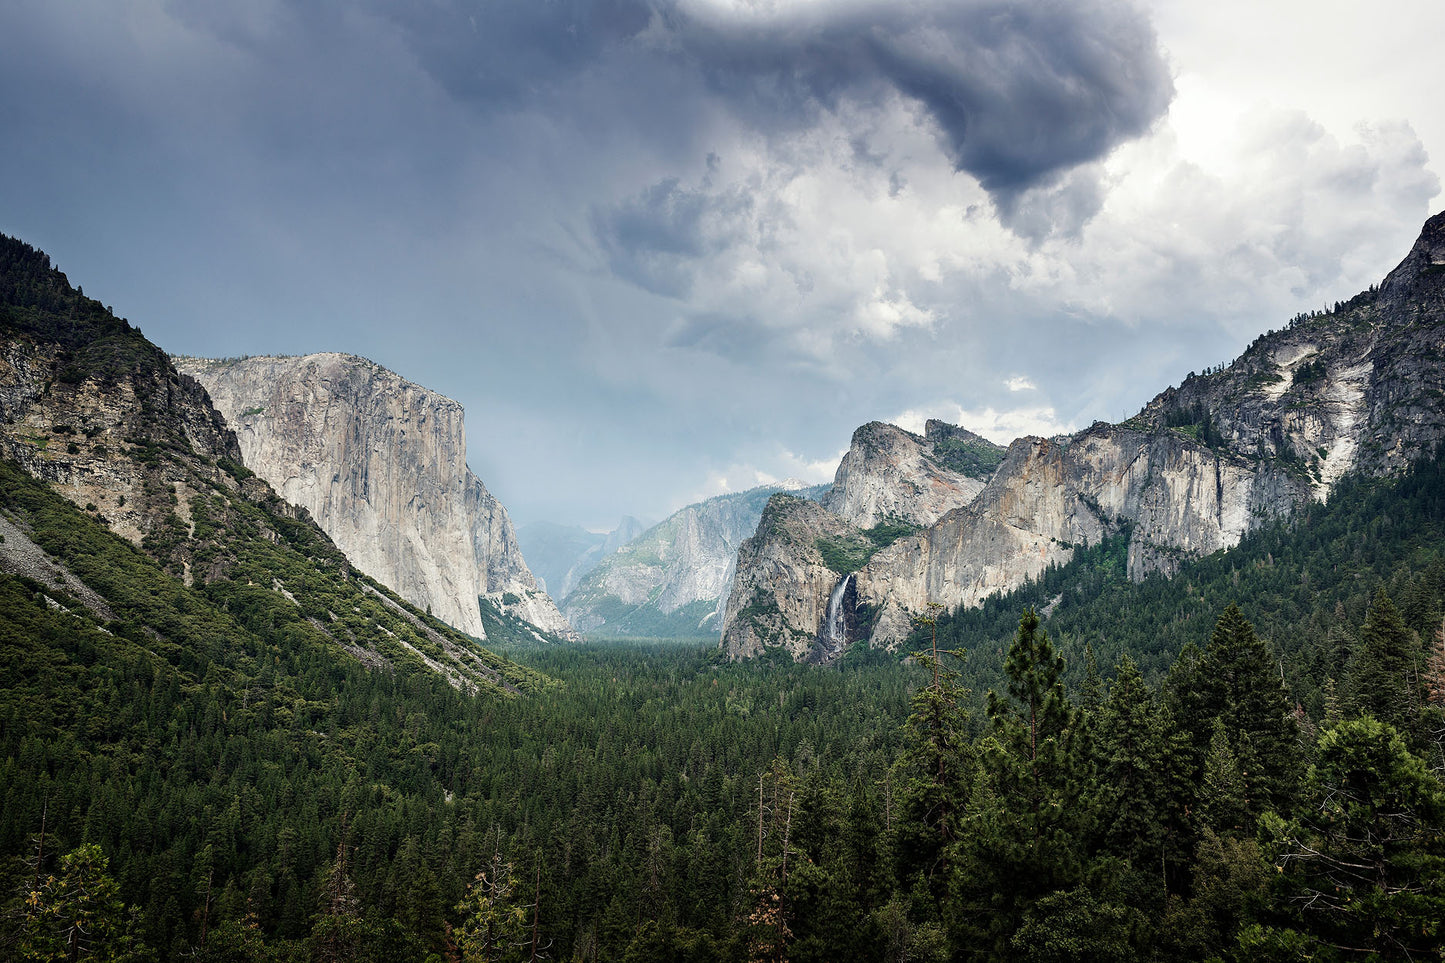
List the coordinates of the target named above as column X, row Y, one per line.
column 1357, row 388
column 380, row 463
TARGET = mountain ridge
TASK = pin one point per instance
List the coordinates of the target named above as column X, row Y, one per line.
column 1358, row 388
column 127, row 486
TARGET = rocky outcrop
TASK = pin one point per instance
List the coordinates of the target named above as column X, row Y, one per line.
column 380, row 463
column 1358, row 388
column 94, row 413
column 786, row 574
column 890, row 474
column 95, row 410
column 1178, row 500
column 673, row 579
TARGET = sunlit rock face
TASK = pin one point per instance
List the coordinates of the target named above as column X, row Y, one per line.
column 380, row 463
column 890, row 474
column 1358, row 388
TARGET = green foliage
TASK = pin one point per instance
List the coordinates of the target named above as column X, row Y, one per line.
column 76, row 913
column 975, row 459
column 848, row 553
column 1363, row 861
column 890, row 530
column 494, row 922
column 1382, row 678
column 845, row 553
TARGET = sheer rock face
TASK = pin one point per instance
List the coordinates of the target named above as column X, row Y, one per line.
column 780, row 592
column 890, row 474
column 1361, row 388
column 1182, row 500
column 380, row 463
column 686, row 560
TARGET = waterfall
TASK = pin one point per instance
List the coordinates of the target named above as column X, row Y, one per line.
column 835, row 626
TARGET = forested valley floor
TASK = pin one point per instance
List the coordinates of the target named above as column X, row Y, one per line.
column 1244, row 762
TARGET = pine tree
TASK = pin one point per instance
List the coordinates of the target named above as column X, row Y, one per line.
column 1363, row 860
column 1237, row 682
column 1128, row 779
column 932, row 773
column 494, row 924
column 1382, row 679
column 1025, row 825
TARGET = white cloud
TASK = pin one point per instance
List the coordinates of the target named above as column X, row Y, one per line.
column 784, row 466
column 1019, row 383
column 999, row 427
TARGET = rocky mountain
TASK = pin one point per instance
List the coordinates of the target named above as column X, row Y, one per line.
column 1358, row 388
column 560, row 555
column 672, row 580
column 787, row 574
column 380, row 463
column 125, row 505
column 890, row 474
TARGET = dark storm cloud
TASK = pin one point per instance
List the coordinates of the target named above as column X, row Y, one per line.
column 1020, row 90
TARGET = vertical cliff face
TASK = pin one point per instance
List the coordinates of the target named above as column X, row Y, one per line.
column 1359, row 388
column 890, row 474
column 1178, row 499
column 380, row 463
column 786, row 574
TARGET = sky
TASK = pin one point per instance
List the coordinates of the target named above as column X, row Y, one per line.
column 665, row 249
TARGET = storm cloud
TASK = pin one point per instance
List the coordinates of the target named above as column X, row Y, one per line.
column 1019, row 91
column 653, row 245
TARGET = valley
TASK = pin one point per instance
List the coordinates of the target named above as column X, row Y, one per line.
column 278, row 684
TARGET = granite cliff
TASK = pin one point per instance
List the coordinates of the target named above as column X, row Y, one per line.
column 673, row 579
column 380, row 463
column 1357, row 388
column 124, row 505
column 889, row 474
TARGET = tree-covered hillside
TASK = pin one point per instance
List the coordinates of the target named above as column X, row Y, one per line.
column 265, row 801
column 219, row 743
column 1306, row 584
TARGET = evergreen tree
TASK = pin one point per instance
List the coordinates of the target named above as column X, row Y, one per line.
column 932, row 774
column 77, row 914
column 1382, row 681
column 1237, row 682
column 1363, row 861
column 1129, row 788
column 494, row 924
column 1025, row 825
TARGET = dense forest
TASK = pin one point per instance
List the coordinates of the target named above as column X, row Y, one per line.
column 1243, row 762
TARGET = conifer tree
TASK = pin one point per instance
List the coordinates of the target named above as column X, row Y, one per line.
column 933, row 772
column 1362, row 864
column 1237, row 682
column 494, row 925
column 1128, row 771
column 1382, row 680
column 1026, row 824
